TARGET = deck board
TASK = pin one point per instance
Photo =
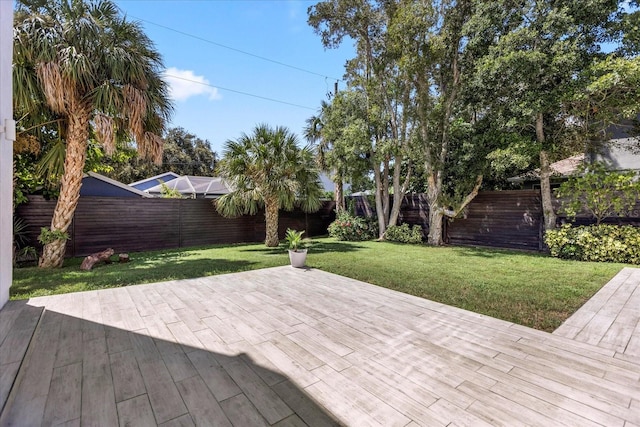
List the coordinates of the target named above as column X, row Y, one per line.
column 289, row 347
column 611, row 318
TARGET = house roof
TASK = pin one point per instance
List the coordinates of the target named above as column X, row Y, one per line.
column 194, row 186
column 147, row 183
column 564, row 167
column 115, row 183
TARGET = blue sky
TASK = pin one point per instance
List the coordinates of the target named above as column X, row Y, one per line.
column 275, row 29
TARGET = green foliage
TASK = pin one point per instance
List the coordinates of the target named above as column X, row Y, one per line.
column 48, row 236
column 599, row 191
column 24, row 257
column 182, row 153
column 294, row 239
column 603, row 243
column 23, row 253
column 20, row 228
column 404, row 234
column 611, row 95
column 353, row 228
column 169, row 193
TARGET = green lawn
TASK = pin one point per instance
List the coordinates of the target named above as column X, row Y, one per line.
column 529, row 289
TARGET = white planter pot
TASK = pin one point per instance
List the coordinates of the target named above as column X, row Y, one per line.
column 298, row 258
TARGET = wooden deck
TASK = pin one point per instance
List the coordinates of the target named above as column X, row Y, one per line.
column 611, row 319
column 292, row 347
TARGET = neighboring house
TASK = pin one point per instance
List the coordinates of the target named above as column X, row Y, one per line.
column 94, row 184
column 194, row 187
column 559, row 171
column 147, row 183
column 619, row 154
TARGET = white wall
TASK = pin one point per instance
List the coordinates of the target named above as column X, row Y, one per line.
column 7, row 135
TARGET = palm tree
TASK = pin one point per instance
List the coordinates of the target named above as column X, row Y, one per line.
column 316, row 133
column 268, row 169
column 96, row 73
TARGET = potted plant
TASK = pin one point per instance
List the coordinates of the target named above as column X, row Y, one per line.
column 297, row 254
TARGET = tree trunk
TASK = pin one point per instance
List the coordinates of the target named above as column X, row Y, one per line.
column 545, row 177
column 399, row 192
column 436, row 213
column 75, row 155
column 545, row 192
column 435, row 225
column 93, row 259
column 339, row 195
column 385, row 195
column 271, row 218
column 379, row 210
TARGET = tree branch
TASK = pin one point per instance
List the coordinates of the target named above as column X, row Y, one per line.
column 454, row 213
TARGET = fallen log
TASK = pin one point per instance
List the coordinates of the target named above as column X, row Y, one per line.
column 93, row 259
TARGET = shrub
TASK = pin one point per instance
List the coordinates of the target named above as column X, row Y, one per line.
column 404, row 234
column 353, row 228
column 604, row 243
column 600, row 192
column 47, row 236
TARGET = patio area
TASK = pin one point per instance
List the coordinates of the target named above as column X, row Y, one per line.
column 291, row 347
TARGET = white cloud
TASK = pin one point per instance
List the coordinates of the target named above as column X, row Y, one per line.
column 183, row 84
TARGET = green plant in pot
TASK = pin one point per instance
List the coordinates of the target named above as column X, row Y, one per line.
column 297, row 254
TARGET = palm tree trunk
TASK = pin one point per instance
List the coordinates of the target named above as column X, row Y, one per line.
column 75, row 155
column 271, row 218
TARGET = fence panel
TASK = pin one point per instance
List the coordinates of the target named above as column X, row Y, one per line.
column 201, row 224
column 506, row 219
column 126, row 225
column 130, row 225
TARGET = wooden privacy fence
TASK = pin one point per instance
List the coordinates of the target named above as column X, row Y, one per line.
column 504, row 219
column 130, row 225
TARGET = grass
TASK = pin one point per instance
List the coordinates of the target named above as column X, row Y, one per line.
column 526, row 288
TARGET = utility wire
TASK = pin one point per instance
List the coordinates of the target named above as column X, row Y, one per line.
column 235, row 50
column 240, row 92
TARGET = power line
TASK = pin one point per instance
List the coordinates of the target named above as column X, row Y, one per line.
column 240, row 92
column 263, row 58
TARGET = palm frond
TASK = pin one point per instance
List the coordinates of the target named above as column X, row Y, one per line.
column 51, row 165
column 135, row 106
column 53, row 85
column 103, row 126
column 269, row 165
